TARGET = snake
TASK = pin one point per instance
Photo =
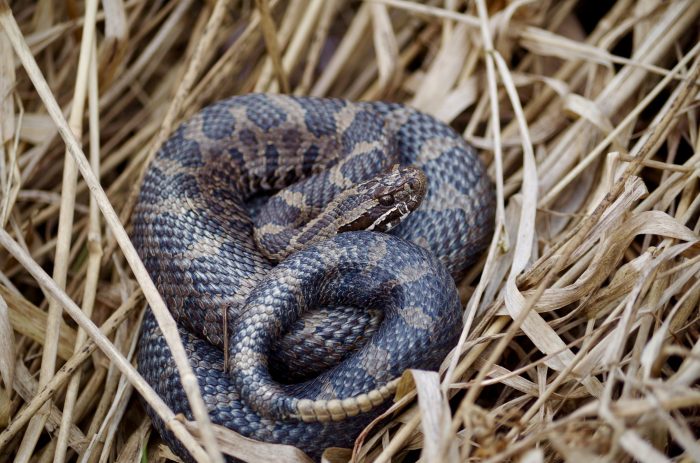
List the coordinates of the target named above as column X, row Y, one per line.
column 308, row 249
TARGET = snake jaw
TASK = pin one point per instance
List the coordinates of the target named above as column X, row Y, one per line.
column 390, row 219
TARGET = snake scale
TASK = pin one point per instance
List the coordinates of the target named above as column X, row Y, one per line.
column 316, row 342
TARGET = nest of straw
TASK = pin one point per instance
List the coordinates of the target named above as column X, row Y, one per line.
column 581, row 321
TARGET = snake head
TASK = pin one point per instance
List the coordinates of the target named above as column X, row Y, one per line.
column 387, row 200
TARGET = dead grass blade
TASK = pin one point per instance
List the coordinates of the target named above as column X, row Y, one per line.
column 7, row 346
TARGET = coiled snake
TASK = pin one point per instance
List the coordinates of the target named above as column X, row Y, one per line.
column 353, row 309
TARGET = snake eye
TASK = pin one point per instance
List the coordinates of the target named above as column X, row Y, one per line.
column 386, row 200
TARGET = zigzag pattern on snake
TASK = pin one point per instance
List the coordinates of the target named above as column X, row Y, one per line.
column 352, row 311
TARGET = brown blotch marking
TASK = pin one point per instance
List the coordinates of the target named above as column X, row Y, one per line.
column 371, row 353
column 194, row 130
column 252, row 153
column 309, row 328
column 203, row 248
column 416, row 317
column 337, row 178
column 367, row 146
column 433, row 148
column 411, row 274
column 171, row 167
column 331, row 258
column 377, row 252
column 345, row 117
column 448, row 198
column 295, row 112
column 421, row 241
column 398, row 117
column 295, row 199
column 246, row 359
column 309, row 234
column 294, row 284
column 287, row 161
column 270, row 229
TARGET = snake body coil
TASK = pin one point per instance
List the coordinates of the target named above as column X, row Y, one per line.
column 353, row 310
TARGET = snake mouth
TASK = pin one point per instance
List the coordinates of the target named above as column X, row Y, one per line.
column 391, row 218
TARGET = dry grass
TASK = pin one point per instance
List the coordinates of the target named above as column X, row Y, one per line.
column 581, row 321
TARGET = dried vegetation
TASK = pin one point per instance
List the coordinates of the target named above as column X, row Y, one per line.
column 581, row 322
